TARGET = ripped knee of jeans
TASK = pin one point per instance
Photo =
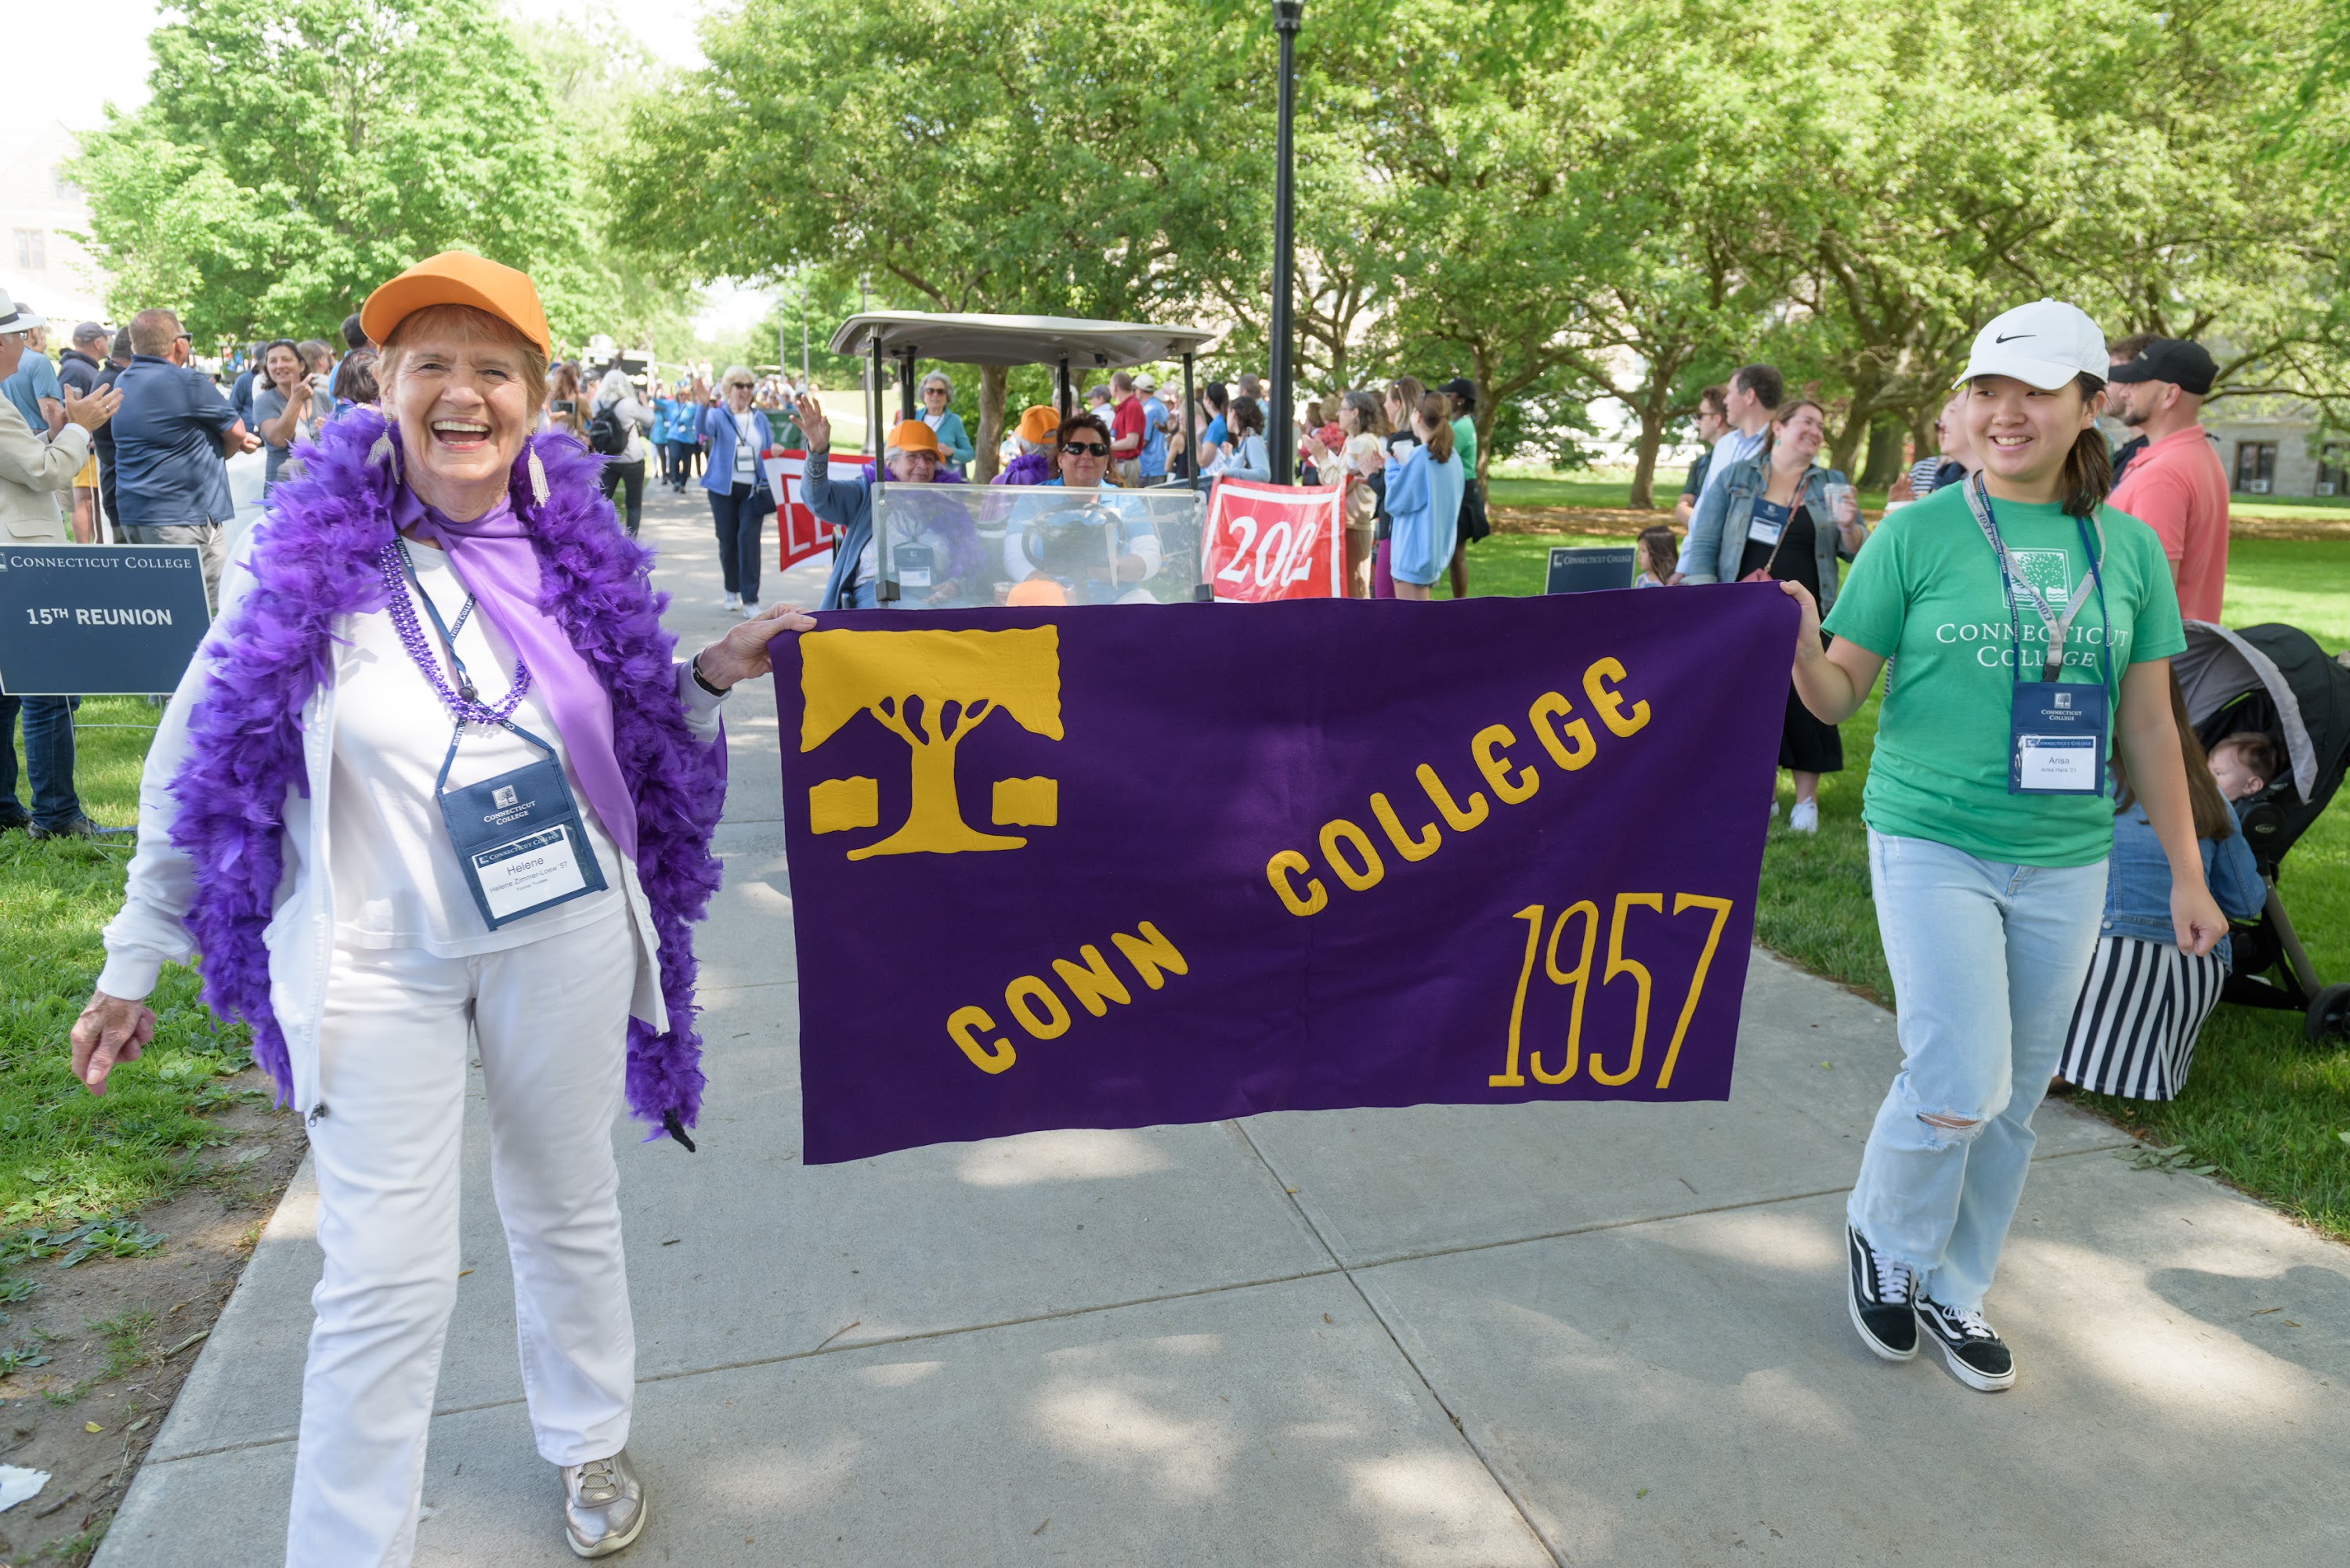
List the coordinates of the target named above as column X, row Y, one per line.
column 1942, row 1130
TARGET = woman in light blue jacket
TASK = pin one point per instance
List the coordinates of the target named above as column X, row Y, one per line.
column 945, row 423
column 739, row 497
column 1424, row 501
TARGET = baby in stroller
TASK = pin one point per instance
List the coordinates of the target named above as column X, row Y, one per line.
column 2243, row 765
column 2134, row 1028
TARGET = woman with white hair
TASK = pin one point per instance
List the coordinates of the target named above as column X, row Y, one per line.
column 436, row 792
column 945, row 423
column 616, row 433
column 735, row 433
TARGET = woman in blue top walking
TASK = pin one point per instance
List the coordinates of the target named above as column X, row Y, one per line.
column 739, row 501
column 1423, row 501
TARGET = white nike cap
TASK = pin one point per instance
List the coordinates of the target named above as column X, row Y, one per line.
column 2044, row 344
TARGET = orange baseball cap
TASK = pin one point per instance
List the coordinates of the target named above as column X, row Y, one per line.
column 458, row 277
column 1037, row 425
column 913, row 435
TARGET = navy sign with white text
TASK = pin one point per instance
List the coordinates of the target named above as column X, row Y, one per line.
column 98, row 619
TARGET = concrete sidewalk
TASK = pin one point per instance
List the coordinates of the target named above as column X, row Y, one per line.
column 1437, row 1336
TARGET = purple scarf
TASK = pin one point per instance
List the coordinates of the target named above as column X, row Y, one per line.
column 1028, row 467
column 493, row 558
column 314, row 559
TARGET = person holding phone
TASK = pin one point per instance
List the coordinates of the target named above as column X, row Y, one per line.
column 282, row 407
column 1778, row 516
column 2034, row 627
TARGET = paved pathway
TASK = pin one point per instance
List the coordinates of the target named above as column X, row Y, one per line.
column 1437, row 1338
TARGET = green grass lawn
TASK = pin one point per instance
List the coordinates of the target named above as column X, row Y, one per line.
column 1523, row 484
column 63, row 1152
column 2269, row 1112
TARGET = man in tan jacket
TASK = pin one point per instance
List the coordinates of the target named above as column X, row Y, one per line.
column 32, row 474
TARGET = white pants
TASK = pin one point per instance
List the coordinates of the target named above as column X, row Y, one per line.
column 551, row 1020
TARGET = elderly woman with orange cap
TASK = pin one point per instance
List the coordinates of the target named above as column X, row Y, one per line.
column 1035, row 437
column 912, row 457
column 435, row 789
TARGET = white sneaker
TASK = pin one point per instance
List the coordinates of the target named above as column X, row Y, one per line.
column 733, row 601
column 1804, row 817
column 751, row 610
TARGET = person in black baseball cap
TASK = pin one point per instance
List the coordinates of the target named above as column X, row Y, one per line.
column 2177, row 485
column 2181, row 361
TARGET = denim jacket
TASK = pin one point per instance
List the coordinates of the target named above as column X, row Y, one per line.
column 1717, row 537
column 2137, row 883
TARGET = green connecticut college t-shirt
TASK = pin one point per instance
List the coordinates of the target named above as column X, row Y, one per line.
column 1925, row 594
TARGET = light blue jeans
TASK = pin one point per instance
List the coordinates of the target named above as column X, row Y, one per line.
column 1987, row 960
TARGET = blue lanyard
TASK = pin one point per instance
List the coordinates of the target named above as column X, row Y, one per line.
column 2056, row 628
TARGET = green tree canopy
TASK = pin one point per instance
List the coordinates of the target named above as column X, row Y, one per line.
column 295, row 153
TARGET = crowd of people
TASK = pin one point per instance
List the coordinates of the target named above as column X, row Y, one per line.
column 2031, row 602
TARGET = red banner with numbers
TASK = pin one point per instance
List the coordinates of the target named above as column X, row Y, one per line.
column 1267, row 542
column 798, row 533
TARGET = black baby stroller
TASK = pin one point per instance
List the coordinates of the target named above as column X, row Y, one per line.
column 2277, row 680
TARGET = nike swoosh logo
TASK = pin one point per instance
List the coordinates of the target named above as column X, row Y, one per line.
column 2013, row 335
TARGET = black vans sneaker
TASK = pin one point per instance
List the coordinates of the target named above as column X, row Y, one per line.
column 1978, row 1357
column 1881, row 1295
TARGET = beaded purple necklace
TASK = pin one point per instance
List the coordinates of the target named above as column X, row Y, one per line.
column 464, row 702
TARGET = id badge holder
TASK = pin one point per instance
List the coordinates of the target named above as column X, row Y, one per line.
column 916, row 565
column 2056, row 738
column 519, row 839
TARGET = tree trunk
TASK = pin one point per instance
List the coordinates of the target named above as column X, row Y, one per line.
column 1883, row 460
column 1653, row 417
column 993, row 380
column 1866, row 385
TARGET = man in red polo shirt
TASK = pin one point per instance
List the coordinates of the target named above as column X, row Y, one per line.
column 1125, row 430
column 2177, row 487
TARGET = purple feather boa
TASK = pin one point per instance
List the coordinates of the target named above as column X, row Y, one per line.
column 314, row 559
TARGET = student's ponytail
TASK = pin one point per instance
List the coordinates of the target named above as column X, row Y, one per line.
column 2088, row 467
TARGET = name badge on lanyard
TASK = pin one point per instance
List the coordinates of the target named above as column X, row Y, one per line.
column 1768, row 520
column 518, row 836
column 2057, row 729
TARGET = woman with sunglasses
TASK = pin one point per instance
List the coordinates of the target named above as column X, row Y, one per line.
column 1081, row 453
column 735, row 434
column 945, row 423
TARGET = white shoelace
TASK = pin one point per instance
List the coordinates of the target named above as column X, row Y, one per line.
column 1895, row 1281
column 1967, row 1320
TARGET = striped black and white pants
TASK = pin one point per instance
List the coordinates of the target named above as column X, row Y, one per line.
column 2134, row 1028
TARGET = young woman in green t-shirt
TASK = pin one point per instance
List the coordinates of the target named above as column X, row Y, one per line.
column 2017, row 609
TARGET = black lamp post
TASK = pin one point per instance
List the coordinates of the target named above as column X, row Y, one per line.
column 1287, row 16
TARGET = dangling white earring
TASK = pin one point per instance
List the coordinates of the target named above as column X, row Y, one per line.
column 380, row 452
column 537, row 478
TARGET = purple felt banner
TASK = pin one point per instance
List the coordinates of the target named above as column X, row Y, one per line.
column 1109, row 867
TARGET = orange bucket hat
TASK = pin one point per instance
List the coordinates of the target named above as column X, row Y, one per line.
column 458, row 277
column 1037, row 425
column 913, row 435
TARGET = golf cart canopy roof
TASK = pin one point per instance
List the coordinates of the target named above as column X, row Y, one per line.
column 1016, row 339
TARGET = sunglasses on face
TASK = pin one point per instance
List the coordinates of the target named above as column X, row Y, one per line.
column 1086, row 449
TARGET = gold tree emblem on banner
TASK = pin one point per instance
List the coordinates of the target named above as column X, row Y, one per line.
column 930, row 688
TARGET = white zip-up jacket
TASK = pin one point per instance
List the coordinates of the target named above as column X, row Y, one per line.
column 150, row 929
